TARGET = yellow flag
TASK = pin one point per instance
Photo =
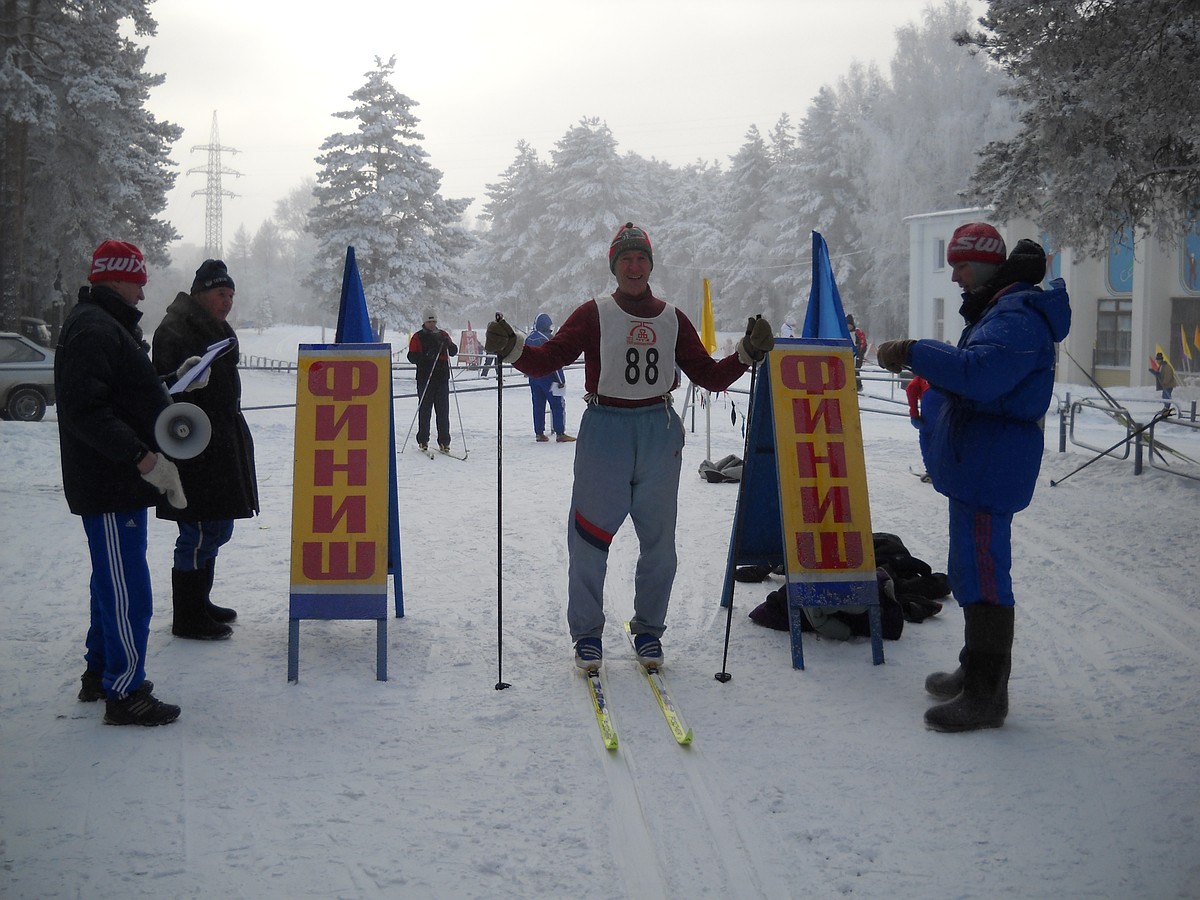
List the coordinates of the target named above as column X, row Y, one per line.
column 708, row 332
column 1158, row 349
column 1183, row 341
column 1196, row 337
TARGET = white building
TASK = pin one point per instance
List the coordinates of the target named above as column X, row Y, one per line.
column 1122, row 305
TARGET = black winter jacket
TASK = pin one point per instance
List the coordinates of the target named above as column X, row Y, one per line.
column 221, row 482
column 430, row 352
column 109, row 397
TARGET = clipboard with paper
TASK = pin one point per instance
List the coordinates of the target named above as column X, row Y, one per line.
column 213, row 351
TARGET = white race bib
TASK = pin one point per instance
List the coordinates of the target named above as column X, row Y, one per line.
column 637, row 355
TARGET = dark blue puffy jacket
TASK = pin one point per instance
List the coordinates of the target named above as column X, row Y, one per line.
column 981, row 430
column 543, row 325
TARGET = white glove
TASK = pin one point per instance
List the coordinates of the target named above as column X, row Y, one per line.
column 165, row 477
column 188, row 364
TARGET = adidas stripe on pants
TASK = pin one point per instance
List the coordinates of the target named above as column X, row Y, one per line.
column 120, row 599
column 627, row 464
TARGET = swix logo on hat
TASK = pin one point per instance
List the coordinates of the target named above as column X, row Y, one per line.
column 976, row 242
column 118, row 261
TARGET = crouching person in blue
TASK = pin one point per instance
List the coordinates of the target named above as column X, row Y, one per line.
column 109, row 397
column 981, row 437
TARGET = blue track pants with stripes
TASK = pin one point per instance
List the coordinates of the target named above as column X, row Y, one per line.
column 980, row 565
column 121, row 599
column 627, row 464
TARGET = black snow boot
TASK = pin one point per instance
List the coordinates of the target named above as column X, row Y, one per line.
column 948, row 685
column 216, row 613
column 191, row 618
column 983, row 702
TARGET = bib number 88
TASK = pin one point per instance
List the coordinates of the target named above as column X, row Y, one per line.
column 634, row 370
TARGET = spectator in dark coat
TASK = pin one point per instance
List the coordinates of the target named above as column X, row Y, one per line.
column 1164, row 377
column 109, row 398
column 221, row 481
column 430, row 350
column 981, row 436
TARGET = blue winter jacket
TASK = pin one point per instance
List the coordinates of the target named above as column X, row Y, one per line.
column 981, row 428
column 542, row 327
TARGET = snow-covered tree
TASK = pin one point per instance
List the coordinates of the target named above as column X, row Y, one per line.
column 377, row 192
column 1110, row 133
column 925, row 129
column 745, row 282
column 299, row 248
column 589, row 198
column 697, row 243
column 81, row 159
column 511, row 261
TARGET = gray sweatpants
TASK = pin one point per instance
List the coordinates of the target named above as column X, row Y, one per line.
column 627, row 464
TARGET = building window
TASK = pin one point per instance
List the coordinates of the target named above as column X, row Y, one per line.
column 1114, row 328
column 1120, row 262
column 939, row 255
column 939, row 318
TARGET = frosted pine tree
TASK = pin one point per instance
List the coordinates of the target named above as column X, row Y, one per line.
column 297, row 252
column 1110, row 131
column 81, row 159
column 692, row 220
column 511, row 260
column 745, row 214
column 589, row 198
column 377, row 192
column 825, row 194
column 927, row 126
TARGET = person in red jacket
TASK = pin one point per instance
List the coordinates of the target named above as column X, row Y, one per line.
column 430, row 350
column 630, row 442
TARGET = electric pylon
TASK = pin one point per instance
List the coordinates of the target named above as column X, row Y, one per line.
column 213, row 192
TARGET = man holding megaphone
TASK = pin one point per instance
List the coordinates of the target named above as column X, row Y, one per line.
column 109, row 398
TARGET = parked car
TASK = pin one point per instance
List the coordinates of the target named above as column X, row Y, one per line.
column 26, row 378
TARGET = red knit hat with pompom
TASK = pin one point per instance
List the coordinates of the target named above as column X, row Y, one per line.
column 629, row 237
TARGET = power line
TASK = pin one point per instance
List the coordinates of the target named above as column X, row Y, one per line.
column 214, row 192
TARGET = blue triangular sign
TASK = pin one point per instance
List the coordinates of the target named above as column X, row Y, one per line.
column 825, row 318
column 353, row 324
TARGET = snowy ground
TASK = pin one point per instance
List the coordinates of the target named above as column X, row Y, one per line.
column 811, row 783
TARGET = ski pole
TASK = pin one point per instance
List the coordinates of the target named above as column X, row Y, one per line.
column 1119, row 412
column 723, row 676
column 1165, row 414
column 457, row 408
column 421, row 392
column 500, row 682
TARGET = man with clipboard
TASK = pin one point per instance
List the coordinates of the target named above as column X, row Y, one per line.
column 222, row 480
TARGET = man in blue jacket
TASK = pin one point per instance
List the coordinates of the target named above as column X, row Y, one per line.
column 547, row 389
column 982, row 441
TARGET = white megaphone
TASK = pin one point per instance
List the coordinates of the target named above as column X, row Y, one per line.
column 182, row 430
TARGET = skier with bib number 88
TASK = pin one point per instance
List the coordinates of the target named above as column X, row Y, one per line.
column 630, row 443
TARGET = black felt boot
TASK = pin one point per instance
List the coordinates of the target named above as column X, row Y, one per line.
column 983, row 702
column 216, row 613
column 948, row 685
column 191, row 617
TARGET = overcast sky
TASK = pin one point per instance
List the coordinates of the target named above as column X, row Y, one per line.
column 678, row 80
